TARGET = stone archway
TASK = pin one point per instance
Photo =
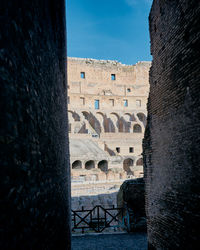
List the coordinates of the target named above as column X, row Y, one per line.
column 93, row 122
column 89, row 165
column 142, row 118
column 103, row 165
column 127, row 164
column 137, row 128
column 77, row 165
column 114, row 118
column 76, row 117
column 74, row 123
column 139, row 162
column 85, row 115
column 127, row 117
column 100, row 118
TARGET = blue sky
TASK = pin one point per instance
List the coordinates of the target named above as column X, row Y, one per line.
column 109, row 29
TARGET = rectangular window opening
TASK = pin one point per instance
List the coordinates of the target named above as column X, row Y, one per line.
column 118, row 150
column 125, row 103
column 96, row 104
column 82, row 100
column 138, row 103
column 83, row 75
column 131, row 150
column 112, row 102
column 113, row 77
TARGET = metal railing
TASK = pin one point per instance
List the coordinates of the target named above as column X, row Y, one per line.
column 99, row 218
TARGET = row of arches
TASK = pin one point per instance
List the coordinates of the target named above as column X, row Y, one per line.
column 102, row 123
column 103, row 164
column 130, row 163
column 127, row 116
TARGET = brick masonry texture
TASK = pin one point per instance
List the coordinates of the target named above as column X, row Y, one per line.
column 35, row 189
column 172, row 137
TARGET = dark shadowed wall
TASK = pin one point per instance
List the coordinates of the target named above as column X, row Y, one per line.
column 35, row 176
column 172, row 137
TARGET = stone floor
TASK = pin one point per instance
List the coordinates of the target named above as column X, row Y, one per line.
column 124, row 241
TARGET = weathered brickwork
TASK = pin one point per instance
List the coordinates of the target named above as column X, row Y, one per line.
column 35, row 181
column 172, row 137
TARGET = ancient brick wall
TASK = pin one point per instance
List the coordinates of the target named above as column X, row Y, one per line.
column 172, row 137
column 35, row 189
column 130, row 82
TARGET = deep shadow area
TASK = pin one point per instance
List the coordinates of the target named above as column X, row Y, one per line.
column 136, row 241
column 35, row 179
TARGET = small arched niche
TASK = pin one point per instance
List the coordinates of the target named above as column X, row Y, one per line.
column 139, row 162
column 137, row 128
column 89, row 165
column 103, row 165
column 127, row 164
column 77, row 165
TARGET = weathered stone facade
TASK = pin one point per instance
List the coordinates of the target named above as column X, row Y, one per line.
column 107, row 116
column 35, row 176
column 172, row 137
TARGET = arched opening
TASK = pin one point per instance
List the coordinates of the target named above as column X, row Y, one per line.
column 77, row 165
column 121, row 125
column 127, row 164
column 103, row 165
column 139, row 162
column 127, row 117
column 133, row 117
column 73, row 116
column 89, row 165
column 142, row 118
column 93, row 122
column 109, row 125
column 114, row 117
column 86, row 115
column 124, row 126
column 100, row 118
column 76, row 117
column 137, row 128
column 127, row 122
